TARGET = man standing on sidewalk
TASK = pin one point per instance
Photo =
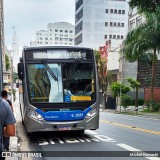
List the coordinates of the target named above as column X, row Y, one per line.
column 7, row 121
column 6, row 140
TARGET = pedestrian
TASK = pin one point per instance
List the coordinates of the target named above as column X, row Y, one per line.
column 6, row 140
column 7, row 123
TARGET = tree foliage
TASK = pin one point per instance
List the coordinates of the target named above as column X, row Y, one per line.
column 119, row 89
column 104, row 76
column 145, row 5
column 143, row 39
column 7, row 61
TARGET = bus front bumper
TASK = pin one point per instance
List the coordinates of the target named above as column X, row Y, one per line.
column 34, row 125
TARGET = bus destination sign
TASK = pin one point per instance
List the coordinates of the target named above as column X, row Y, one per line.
column 59, row 54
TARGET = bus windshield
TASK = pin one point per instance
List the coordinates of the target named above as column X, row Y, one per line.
column 61, row 82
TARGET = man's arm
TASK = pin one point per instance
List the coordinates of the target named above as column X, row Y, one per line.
column 9, row 130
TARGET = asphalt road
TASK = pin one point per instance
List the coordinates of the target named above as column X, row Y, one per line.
column 116, row 133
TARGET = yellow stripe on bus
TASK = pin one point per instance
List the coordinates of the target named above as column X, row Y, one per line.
column 80, row 98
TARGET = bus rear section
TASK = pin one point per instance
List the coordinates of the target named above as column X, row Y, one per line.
column 60, row 89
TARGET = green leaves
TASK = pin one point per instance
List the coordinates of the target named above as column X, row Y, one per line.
column 148, row 6
column 118, row 89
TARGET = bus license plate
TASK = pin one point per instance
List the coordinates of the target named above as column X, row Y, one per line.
column 64, row 128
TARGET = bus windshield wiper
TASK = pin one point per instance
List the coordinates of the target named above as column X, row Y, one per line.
column 49, row 70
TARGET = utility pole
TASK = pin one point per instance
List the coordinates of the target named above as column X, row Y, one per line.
column 12, row 98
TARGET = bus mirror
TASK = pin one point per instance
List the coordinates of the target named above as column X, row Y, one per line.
column 20, row 71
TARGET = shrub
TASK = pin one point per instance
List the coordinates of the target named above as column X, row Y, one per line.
column 140, row 102
column 126, row 101
column 153, row 106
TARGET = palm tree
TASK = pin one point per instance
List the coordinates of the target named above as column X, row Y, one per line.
column 144, row 38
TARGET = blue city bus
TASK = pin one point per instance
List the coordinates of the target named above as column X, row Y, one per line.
column 58, row 89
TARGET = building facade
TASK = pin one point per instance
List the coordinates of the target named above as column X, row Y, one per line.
column 98, row 21
column 59, row 33
column 2, row 52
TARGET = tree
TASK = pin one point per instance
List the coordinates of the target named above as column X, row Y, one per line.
column 144, row 38
column 104, row 76
column 7, row 61
column 145, row 5
column 119, row 89
column 15, row 76
column 134, row 84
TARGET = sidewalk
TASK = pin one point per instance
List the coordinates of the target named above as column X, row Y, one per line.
column 133, row 113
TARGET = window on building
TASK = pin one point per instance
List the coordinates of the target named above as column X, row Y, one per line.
column 110, row 23
column 122, row 24
column 121, row 36
column 66, row 31
column 50, row 38
column 123, row 11
column 106, row 24
column 119, row 11
column 71, row 31
column 106, row 10
column 78, row 39
column 46, row 38
column 114, row 36
column 115, row 11
column 118, row 37
column 79, row 15
column 78, row 4
column 119, row 24
column 70, row 40
column 79, row 27
column 111, row 10
column 56, row 30
column 114, row 23
column 110, row 36
column 61, row 30
column 138, row 20
column 105, row 36
column 51, row 30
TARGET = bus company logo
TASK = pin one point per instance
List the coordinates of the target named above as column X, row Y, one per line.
column 53, row 117
column 6, row 154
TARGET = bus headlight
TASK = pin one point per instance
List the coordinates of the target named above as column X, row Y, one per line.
column 35, row 115
column 92, row 113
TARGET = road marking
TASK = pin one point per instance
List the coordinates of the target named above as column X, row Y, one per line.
column 129, row 148
column 131, row 127
column 77, row 139
column 91, row 132
column 132, row 149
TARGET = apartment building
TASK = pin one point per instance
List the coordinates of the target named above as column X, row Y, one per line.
column 59, row 33
column 98, row 21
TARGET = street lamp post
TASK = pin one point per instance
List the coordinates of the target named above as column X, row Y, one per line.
column 12, row 79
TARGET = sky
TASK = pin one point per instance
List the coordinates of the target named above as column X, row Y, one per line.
column 30, row 16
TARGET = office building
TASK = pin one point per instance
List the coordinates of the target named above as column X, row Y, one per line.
column 59, row 33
